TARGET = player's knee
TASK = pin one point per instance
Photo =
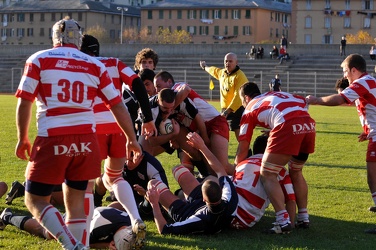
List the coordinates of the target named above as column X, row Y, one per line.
column 180, row 171
column 159, row 185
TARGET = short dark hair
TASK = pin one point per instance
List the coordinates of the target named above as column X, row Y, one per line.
column 147, row 74
column 355, row 61
column 165, row 76
column 90, row 45
column 249, row 89
column 212, row 191
column 259, row 145
column 341, row 83
column 166, row 95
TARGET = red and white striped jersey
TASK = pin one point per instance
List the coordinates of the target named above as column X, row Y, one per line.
column 120, row 73
column 363, row 92
column 253, row 199
column 206, row 110
column 64, row 83
column 269, row 110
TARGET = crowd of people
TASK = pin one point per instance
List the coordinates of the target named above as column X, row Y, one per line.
column 92, row 109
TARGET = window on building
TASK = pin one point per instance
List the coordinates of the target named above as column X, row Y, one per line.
column 12, row 33
column 21, row 17
column 192, row 14
column 327, row 39
column 308, row 5
column 271, row 16
column 271, row 32
column 308, row 22
column 178, row 28
column 246, row 30
column 327, row 4
column 169, row 14
column 276, row 32
column 20, row 32
column 150, row 30
column 367, row 23
column 327, row 22
column 277, row 17
column 236, row 30
column 160, row 14
column 226, row 30
column 367, row 5
column 113, row 19
column 216, row 30
column 204, row 30
column 226, row 14
column 11, row 18
column 53, row 17
column 347, row 4
column 179, row 16
column 347, row 22
column 41, row 32
column 204, row 14
column 50, row 33
column 191, row 30
column 113, row 34
column 160, row 29
column 235, row 14
column 31, row 17
column 79, row 16
column 150, row 14
column 217, row 14
column 30, row 32
column 307, row 39
column 248, row 14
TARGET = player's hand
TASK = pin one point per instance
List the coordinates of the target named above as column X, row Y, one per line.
column 195, row 140
column 362, row 137
column 134, row 151
column 202, row 64
column 23, row 148
column 148, row 129
column 140, row 190
column 311, row 99
column 152, row 195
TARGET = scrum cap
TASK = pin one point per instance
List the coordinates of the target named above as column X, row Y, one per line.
column 66, row 31
column 90, row 45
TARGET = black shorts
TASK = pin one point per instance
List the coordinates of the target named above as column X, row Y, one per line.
column 233, row 119
column 180, row 210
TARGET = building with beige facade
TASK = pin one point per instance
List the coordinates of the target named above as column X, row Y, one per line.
column 325, row 22
column 220, row 21
column 30, row 22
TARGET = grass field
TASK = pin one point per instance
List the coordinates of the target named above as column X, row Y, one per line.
column 335, row 173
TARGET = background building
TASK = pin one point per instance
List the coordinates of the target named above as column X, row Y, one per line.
column 30, row 22
column 325, row 22
column 220, row 21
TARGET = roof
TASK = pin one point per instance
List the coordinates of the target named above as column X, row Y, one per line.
column 67, row 6
column 210, row 4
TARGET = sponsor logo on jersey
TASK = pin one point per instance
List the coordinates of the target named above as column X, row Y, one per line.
column 73, row 150
column 56, row 53
column 62, row 64
column 303, row 128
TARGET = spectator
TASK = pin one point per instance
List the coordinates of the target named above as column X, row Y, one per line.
column 282, row 52
column 260, row 52
column 66, row 147
column 287, row 117
column 230, row 79
column 275, row 84
column 342, row 47
column 209, row 206
column 341, row 84
column 372, row 53
column 284, row 42
column 274, row 53
column 252, row 53
column 360, row 91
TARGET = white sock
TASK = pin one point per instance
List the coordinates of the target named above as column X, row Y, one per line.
column 89, row 211
column 374, row 197
column 78, row 228
column 124, row 194
column 52, row 220
column 303, row 215
column 283, row 217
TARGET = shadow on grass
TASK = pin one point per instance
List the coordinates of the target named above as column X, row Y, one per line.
column 324, row 233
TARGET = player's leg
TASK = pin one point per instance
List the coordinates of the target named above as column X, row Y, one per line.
column 219, row 147
column 272, row 163
column 371, row 172
column 185, row 178
column 166, row 197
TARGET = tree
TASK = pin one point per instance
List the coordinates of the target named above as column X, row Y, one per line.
column 100, row 33
column 362, row 37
